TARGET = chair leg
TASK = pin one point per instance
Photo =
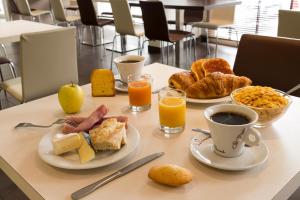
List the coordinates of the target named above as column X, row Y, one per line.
column 4, row 50
column 13, row 69
column 207, row 45
column 162, row 51
column 139, row 45
column 112, row 52
column 167, row 53
column 103, row 45
column 217, row 38
column 92, row 35
column 237, row 36
column 143, row 45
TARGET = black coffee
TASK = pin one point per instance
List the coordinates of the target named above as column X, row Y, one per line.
column 230, row 118
column 129, row 61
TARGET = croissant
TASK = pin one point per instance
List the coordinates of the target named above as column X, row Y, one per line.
column 203, row 67
column 181, row 80
column 216, row 85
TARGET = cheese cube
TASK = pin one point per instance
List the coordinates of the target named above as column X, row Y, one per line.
column 66, row 143
column 86, row 153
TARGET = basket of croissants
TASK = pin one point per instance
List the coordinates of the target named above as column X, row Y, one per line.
column 208, row 79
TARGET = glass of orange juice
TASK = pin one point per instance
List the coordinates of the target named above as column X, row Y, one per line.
column 172, row 109
column 139, row 92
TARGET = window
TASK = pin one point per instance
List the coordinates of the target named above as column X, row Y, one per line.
column 257, row 17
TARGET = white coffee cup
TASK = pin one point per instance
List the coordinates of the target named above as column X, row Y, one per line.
column 229, row 140
column 127, row 68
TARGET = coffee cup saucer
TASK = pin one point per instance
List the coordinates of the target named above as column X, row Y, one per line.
column 202, row 149
column 120, row 86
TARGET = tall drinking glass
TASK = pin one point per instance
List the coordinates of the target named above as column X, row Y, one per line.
column 172, row 110
column 139, row 92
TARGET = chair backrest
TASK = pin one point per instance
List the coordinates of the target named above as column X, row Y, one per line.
column 223, row 14
column 23, row 7
column 48, row 61
column 58, row 10
column 87, row 12
column 269, row 61
column 155, row 21
column 193, row 15
column 288, row 24
column 11, row 8
column 122, row 17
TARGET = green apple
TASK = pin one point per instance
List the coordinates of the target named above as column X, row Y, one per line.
column 70, row 97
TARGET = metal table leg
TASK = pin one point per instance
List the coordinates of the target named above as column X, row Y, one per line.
column 179, row 45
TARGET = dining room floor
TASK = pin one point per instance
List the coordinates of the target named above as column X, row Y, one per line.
column 90, row 58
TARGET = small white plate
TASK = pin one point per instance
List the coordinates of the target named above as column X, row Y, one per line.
column 71, row 160
column 217, row 100
column 251, row 157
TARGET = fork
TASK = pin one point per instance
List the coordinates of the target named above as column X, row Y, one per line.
column 59, row 121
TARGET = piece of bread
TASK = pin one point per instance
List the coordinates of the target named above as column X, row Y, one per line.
column 216, row 85
column 204, row 67
column 110, row 135
column 103, row 83
column 171, row 175
column 181, row 80
column 65, row 143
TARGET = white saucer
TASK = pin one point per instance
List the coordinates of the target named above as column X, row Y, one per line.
column 120, row 86
column 251, row 157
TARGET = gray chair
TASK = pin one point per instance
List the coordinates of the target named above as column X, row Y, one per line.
column 124, row 23
column 218, row 18
column 288, row 24
column 25, row 10
column 48, row 61
column 59, row 13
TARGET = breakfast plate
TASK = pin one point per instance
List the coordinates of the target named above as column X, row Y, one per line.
column 71, row 160
column 202, row 150
column 217, row 100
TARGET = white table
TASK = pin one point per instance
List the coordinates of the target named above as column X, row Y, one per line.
column 11, row 31
column 276, row 179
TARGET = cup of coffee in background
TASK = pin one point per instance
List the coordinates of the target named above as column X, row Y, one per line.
column 128, row 65
column 231, row 127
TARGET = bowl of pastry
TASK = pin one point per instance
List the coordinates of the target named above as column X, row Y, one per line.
column 270, row 104
column 208, row 79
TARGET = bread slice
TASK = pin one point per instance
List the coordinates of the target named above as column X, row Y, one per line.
column 103, row 83
column 110, row 135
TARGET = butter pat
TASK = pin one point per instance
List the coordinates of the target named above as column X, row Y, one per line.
column 86, row 153
column 66, row 143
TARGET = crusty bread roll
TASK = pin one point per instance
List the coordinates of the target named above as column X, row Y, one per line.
column 216, row 85
column 169, row 174
column 181, row 80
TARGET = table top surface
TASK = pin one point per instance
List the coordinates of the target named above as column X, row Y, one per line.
column 189, row 4
column 11, row 31
column 275, row 179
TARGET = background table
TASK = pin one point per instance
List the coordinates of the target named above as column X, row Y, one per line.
column 11, row 31
column 276, row 179
column 179, row 6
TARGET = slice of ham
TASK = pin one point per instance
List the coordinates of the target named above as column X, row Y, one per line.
column 85, row 124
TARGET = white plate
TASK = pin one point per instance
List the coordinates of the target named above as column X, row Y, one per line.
column 217, row 100
column 251, row 157
column 71, row 160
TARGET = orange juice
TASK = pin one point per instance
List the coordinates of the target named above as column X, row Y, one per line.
column 139, row 93
column 172, row 112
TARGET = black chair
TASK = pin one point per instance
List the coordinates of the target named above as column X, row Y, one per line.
column 269, row 61
column 156, row 26
column 89, row 18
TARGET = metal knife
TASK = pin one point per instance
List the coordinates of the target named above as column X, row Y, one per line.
column 92, row 187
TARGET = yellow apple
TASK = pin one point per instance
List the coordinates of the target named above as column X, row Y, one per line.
column 70, row 97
